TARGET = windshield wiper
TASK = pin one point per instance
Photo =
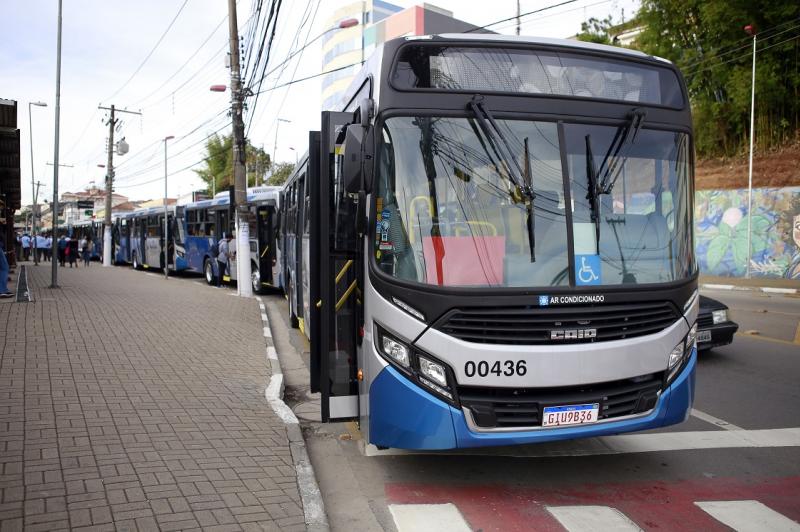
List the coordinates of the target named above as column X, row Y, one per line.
column 613, row 162
column 593, row 190
column 521, row 180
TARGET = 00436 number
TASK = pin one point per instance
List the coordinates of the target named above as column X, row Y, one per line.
column 509, row 368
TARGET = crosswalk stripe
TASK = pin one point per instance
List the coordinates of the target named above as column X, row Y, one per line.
column 747, row 516
column 428, row 518
column 592, row 518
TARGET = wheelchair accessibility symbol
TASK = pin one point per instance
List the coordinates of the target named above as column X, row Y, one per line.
column 587, row 270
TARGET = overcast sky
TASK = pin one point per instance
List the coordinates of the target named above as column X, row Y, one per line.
column 105, row 41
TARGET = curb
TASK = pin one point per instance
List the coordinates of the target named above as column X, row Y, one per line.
column 313, row 505
column 765, row 289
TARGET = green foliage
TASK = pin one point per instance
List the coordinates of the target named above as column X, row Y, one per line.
column 706, row 40
column 282, row 172
column 218, row 171
column 596, row 31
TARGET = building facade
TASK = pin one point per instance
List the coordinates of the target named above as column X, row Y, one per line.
column 343, row 50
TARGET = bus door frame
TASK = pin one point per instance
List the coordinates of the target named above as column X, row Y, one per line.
column 266, row 249
column 335, row 290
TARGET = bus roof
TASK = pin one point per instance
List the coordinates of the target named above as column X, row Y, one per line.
column 267, row 194
column 547, row 41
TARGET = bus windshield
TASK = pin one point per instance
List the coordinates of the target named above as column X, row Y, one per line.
column 451, row 209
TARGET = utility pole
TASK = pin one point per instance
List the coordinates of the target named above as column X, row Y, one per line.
column 275, row 146
column 751, row 30
column 54, row 263
column 112, row 121
column 35, row 193
column 518, row 13
column 243, row 270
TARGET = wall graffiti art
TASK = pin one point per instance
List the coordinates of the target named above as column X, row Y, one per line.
column 721, row 220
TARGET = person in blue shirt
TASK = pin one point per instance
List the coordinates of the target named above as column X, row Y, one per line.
column 26, row 246
column 4, row 292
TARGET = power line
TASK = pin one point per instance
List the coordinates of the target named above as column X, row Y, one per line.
column 308, row 77
column 180, row 10
column 306, row 14
column 697, row 71
column 216, row 28
column 522, row 15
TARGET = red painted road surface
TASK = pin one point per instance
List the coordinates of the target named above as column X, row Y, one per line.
column 651, row 505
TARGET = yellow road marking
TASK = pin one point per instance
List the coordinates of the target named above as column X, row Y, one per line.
column 797, row 334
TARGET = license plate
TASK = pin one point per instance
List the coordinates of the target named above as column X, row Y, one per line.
column 703, row 336
column 555, row 416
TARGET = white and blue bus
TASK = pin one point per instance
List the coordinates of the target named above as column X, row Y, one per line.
column 203, row 223
column 145, row 230
column 500, row 245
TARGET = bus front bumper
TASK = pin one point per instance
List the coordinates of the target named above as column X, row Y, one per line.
column 404, row 416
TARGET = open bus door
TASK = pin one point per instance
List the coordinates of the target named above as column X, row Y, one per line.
column 266, row 246
column 334, row 275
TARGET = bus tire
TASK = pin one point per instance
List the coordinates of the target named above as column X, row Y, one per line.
column 135, row 261
column 208, row 271
column 255, row 278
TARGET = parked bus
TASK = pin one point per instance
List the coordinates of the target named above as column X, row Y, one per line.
column 500, row 244
column 145, row 229
column 121, row 238
column 293, row 245
column 202, row 223
column 92, row 230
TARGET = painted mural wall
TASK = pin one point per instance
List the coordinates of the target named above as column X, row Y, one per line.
column 721, row 232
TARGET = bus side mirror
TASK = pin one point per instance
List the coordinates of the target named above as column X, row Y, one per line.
column 357, row 160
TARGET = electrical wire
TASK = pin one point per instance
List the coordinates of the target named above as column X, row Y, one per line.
column 546, row 8
column 147, row 57
column 697, row 71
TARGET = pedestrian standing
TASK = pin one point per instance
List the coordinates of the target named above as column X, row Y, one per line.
column 72, row 252
column 26, row 246
column 41, row 242
column 222, row 257
column 48, row 248
column 4, row 291
column 61, row 246
column 87, row 251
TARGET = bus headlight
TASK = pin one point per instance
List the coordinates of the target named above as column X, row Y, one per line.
column 395, row 350
column 422, row 368
column 676, row 355
column 719, row 316
column 681, row 353
column 433, row 371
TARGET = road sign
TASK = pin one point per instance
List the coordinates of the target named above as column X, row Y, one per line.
column 88, row 212
column 86, row 204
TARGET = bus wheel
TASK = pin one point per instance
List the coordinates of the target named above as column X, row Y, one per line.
column 208, row 269
column 255, row 279
column 136, row 265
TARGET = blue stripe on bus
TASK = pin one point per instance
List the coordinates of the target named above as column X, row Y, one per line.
column 404, row 416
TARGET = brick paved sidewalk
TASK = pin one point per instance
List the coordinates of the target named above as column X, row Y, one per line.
column 130, row 402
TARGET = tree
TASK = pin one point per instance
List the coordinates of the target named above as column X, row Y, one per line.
column 596, row 30
column 281, row 173
column 705, row 39
column 218, row 171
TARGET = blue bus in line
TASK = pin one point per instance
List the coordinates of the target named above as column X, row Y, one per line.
column 500, row 244
column 142, row 232
column 202, row 223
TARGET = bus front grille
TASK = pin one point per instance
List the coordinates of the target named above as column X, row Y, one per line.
column 522, row 407
column 533, row 325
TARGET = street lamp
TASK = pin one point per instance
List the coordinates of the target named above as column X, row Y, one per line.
column 166, row 216
column 34, row 193
column 296, row 158
column 751, row 30
column 275, row 146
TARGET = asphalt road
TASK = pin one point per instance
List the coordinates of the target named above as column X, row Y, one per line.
column 747, row 391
